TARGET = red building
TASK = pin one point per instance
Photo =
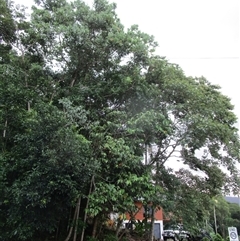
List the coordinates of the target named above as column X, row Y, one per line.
column 142, row 212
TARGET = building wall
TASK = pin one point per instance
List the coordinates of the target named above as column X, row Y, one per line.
column 140, row 215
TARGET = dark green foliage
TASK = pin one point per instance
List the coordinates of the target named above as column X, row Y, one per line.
column 7, row 26
column 218, row 237
column 46, row 172
column 234, row 219
column 82, row 99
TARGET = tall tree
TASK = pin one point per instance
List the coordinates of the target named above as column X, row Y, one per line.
column 83, row 99
column 203, row 138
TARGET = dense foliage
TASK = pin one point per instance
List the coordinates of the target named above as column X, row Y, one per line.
column 82, row 101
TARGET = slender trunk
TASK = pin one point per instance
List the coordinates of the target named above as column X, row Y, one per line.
column 215, row 219
column 20, row 46
column 85, row 214
column 77, row 217
column 122, row 234
column 72, row 82
column 146, row 154
column 95, row 225
column 118, row 228
column 151, row 233
column 72, row 225
column 58, row 227
column 5, row 129
column 28, row 106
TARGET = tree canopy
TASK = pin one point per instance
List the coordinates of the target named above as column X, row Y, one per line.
column 82, row 101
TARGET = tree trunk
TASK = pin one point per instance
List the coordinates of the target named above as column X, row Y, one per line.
column 77, row 218
column 57, row 231
column 118, row 228
column 95, row 225
column 72, row 225
column 85, row 214
column 5, row 129
column 151, row 232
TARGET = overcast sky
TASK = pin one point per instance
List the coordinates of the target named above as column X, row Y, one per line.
column 202, row 36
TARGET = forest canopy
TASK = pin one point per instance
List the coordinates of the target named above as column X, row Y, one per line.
column 91, row 119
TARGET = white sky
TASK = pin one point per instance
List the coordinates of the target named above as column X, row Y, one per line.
column 202, row 36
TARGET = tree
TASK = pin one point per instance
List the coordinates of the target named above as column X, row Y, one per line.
column 46, row 173
column 98, row 83
column 233, row 220
column 7, row 30
column 220, row 215
column 203, row 138
column 83, row 99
